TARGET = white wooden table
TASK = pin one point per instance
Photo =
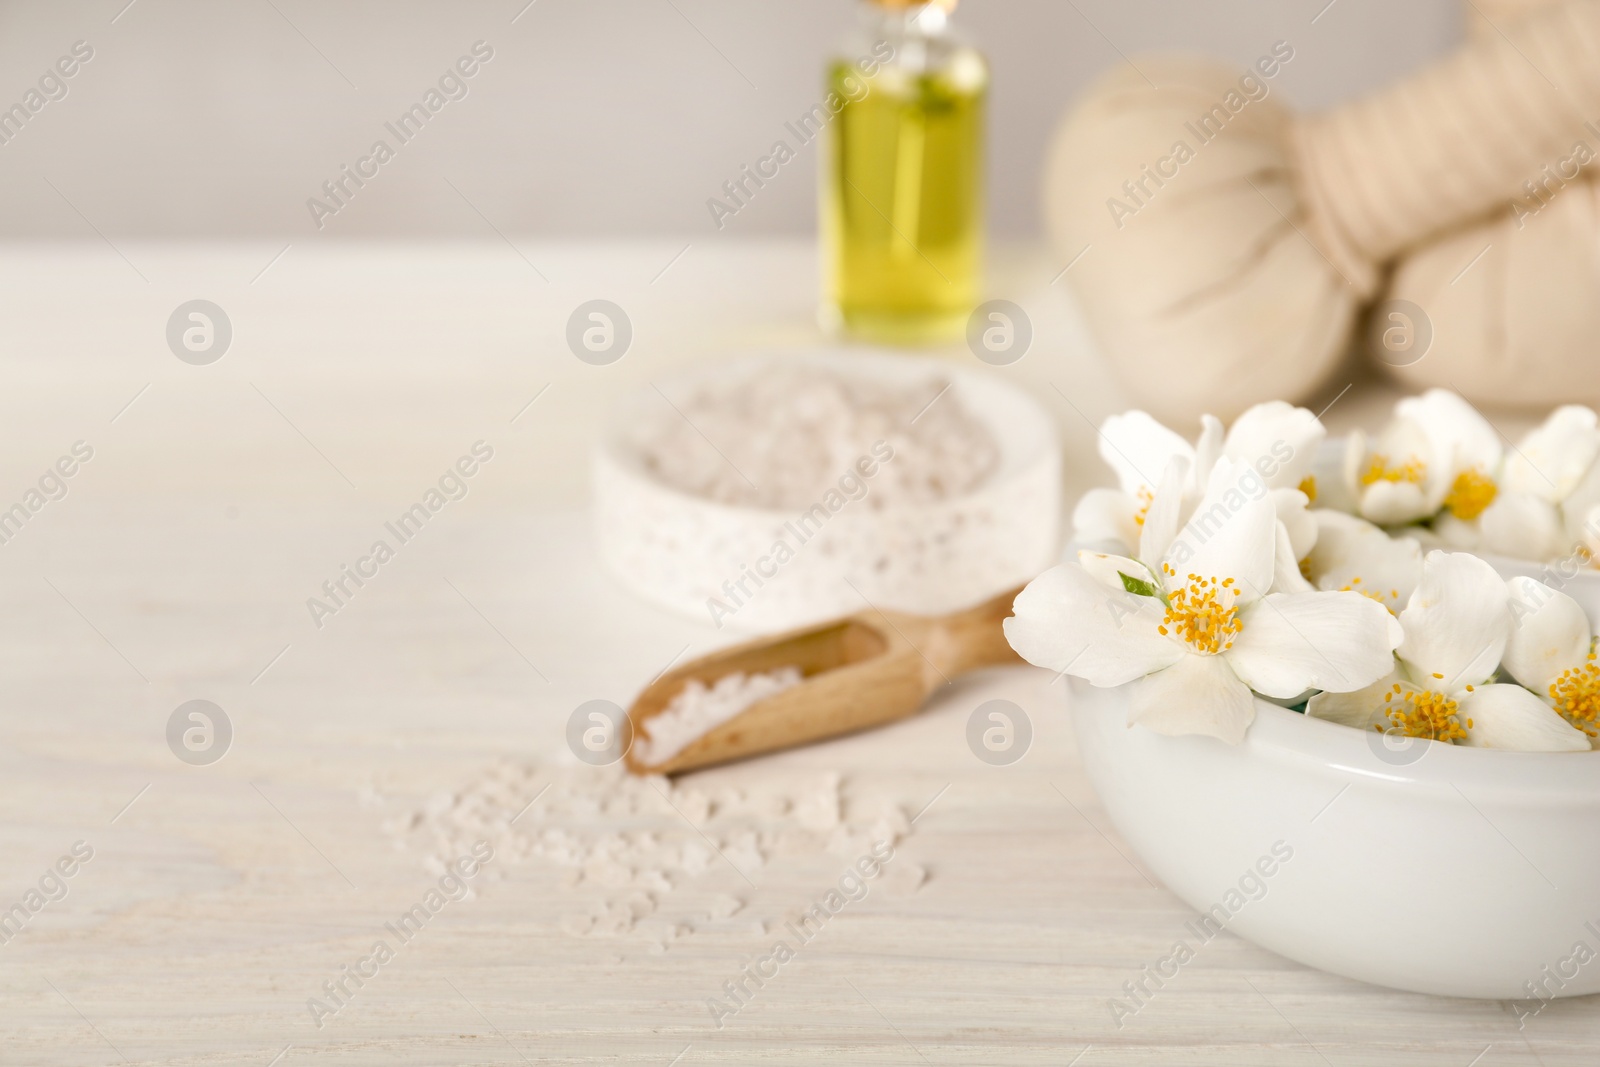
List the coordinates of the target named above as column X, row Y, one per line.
column 431, row 709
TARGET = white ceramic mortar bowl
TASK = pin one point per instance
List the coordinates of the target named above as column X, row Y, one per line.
column 677, row 550
column 1436, row 869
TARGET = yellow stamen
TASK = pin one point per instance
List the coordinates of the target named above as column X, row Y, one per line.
column 1577, row 696
column 1146, row 498
column 1203, row 614
column 1378, row 470
column 1308, row 486
column 1388, row 600
column 1425, row 714
column 1472, row 492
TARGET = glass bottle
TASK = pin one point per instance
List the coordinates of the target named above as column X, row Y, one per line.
column 902, row 184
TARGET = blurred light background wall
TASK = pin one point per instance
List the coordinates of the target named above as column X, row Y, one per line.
column 602, row 118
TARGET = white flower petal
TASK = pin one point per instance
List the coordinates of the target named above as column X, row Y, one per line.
column 1523, row 526
column 1584, row 527
column 1066, row 621
column 1196, row 695
column 1353, row 554
column 1455, row 429
column 1276, row 436
column 1291, row 642
column 1106, row 517
column 1463, row 535
column 1108, row 570
column 1286, row 576
column 1351, row 464
column 1396, row 503
column 1426, row 540
column 1551, row 461
column 1165, row 514
column 1456, row 623
column 1138, row 447
column 1207, row 450
column 1549, row 634
column 1402, row 443
column 1361, row 709
column 1578, row 509
column 1294, row 515
column 1330, row 489
column 1405, row 447
column 1231, row 534
column 1510, row 717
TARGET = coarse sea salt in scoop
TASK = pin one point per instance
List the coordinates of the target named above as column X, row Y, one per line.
column 698, row 709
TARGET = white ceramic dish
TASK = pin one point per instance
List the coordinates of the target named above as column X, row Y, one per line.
column 678, row 550
column 1434, row 869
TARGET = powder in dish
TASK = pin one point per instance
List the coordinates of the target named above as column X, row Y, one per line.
column 781, row 438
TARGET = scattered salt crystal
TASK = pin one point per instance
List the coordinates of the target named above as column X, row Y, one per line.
column 743, row 851
column 631, row 870
column 640, row 905
column 892, row 819
column 724, row 906
column 607, row 872
column 696, row 807
column 903, row 879
column 653, row 879
column 820, row 810
column 616, row 920
column 697, row 709
column 771, row 806
column 695, row 857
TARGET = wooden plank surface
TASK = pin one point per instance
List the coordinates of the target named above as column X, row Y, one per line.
column 430, row 713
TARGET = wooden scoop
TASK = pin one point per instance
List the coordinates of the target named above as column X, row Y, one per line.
column 860, row 671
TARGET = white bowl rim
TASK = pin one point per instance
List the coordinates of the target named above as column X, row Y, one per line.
column 1532, row 568
column 612, row 451
column 1292, row 737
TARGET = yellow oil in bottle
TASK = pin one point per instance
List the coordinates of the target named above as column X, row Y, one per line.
column 902, row 190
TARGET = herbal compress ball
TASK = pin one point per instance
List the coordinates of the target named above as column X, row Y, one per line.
column 1228, row 245
column 1514, row 301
